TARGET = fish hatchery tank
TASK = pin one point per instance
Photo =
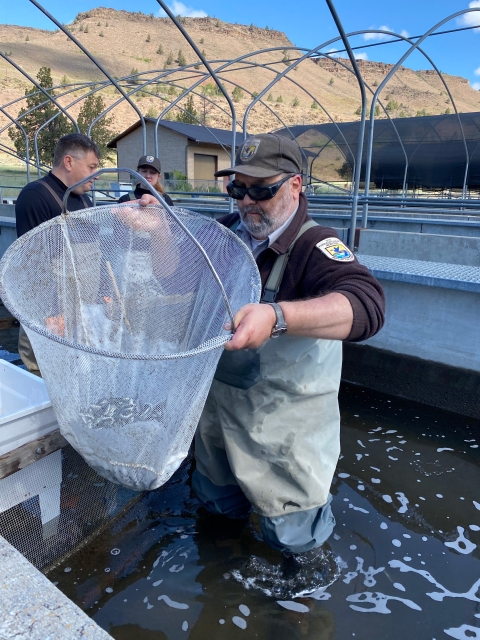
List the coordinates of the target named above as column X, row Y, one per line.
column 403, row 561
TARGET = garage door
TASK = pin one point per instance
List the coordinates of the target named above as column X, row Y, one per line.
column 204, row 166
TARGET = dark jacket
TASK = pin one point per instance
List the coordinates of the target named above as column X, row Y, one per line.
column 36, row 204
column 310, row 273
column 140, row 191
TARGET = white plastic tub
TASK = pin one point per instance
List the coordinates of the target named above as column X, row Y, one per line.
column 25, row 409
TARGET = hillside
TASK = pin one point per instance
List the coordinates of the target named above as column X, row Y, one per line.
column 124, row 41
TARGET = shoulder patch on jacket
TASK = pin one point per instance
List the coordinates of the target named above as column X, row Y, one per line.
column 334, row 249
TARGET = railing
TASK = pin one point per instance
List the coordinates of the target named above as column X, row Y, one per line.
column 193, row 186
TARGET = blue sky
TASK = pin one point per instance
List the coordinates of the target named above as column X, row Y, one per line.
column 308, row 24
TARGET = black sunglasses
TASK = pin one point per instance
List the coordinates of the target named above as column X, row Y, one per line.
column 257, row 191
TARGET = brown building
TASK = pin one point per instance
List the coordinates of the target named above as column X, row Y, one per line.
column 195, row 151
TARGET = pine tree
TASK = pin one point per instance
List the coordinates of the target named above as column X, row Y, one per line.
column 160, row 50
column 49, row 135
column 148, row 38
column 101, row 132
column 189, row 115
column 169, row 59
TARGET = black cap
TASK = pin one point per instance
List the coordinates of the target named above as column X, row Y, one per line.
column 266, row 155
column 150, row 161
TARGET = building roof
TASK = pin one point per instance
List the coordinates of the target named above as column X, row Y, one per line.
column 193, row 132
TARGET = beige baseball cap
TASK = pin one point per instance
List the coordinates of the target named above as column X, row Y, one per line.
column 266, row 155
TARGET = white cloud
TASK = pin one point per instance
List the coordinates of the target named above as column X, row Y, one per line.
column 477, row 71
column 333, row 53
column 180, row 9
column 361, row 55
column 383, row 36
column 378, row 36
column 475, row 85
column 471, row 19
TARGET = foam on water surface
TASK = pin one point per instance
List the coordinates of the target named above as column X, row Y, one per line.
column 461, row 544
column 465, row 632
column 293, row 606
column 379, row 602
column 172, row 603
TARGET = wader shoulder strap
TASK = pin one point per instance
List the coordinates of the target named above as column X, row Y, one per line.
column 57, row 199
column 52, row 192
column 234, row 226
column 276, row 274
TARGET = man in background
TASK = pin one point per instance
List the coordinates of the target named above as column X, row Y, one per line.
column 76, row 157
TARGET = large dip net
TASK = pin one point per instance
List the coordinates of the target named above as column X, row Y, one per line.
column 126, row 316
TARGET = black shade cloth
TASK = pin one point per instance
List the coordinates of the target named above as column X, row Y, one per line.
column 434, row 147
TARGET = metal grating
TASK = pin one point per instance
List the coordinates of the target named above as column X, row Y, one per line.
column 433, row 274
column 65, row 504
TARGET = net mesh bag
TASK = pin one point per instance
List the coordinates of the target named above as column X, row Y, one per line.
column 126, row 319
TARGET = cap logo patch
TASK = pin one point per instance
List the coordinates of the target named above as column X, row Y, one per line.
column 334, row 249
column 149, row 158
column 249, row 149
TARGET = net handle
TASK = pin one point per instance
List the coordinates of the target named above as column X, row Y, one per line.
column 155, row 193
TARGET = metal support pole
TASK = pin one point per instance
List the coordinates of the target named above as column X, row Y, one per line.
column 27, row 153
column 361, row 132
column 214, row 76
column 97, row 64
column 378, row 91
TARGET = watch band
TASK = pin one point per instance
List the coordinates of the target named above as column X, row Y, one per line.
column 280, row 325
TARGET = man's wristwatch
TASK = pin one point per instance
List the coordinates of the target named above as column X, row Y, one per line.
column 280, row 325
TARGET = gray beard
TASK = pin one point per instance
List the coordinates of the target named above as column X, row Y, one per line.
column 257, row 228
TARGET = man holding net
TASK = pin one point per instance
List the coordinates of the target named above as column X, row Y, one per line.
column 269, row 435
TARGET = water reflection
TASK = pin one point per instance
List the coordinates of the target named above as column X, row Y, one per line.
column 407, row 505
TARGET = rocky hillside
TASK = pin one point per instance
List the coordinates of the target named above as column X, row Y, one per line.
column 124, row 42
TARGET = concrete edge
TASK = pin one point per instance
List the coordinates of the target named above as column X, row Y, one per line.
column 32, row 608
column 7, row 222
column 432, row 383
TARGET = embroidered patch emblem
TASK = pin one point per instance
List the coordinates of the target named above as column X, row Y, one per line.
column 249, row 149
column 150, row 158
column 334, row 249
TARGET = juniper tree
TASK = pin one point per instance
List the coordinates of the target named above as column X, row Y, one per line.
column 43, row 110
column 182, row 61
column 189, row 114
column 237, row 94
column 101, row 132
